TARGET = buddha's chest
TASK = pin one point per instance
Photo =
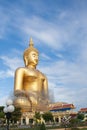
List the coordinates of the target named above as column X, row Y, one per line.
column 33, row 75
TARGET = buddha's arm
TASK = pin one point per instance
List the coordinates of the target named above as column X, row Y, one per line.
column 18, row 83
column 46, row 87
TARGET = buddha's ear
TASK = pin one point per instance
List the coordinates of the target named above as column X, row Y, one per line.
column 26, row 61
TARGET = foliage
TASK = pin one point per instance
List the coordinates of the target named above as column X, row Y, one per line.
column 1, row 112
column 74, row 122
column 75, row 128
column 47, row 116
column 42, row 126
column 16, row 115
column 38, row 128
column 2, row 115
column 37, row 115
column 80, row 116
column 1, row 108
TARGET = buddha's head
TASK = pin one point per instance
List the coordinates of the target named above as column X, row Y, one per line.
column 31, row 55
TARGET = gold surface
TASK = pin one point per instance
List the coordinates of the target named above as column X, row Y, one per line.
column 30, row 85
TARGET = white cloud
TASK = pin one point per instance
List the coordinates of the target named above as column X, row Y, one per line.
column 53, row 33
column 3, row 100
column 56, row 33
column 3, row 23
column 6, row 74
column 11, row 62
column 44, row 56
column 11, row 65
column 68, row 81
column 74, row 95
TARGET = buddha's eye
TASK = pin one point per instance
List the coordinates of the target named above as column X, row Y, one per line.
column 34, row 55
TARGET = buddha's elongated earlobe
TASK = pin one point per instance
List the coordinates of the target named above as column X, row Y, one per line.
column 26, row 61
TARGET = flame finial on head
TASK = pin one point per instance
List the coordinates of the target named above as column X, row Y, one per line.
column 31, row 42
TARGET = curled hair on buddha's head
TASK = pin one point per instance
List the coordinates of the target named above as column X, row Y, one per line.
column 28, row 50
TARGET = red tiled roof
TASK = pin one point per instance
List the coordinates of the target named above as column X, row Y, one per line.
column 60, row 106
column 83, row 110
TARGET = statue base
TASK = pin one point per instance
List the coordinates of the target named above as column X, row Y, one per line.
column 26, row 106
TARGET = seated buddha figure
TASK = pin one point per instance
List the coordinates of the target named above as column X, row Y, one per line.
column 30, row 85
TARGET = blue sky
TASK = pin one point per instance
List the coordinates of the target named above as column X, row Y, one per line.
column 59, row 32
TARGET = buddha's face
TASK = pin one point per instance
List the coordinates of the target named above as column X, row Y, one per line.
column 33, row 58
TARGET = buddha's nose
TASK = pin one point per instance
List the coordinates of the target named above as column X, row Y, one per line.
column 36, row 57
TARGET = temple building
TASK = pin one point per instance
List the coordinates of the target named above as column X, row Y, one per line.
column 58, row 109
column 61, row 109
column 83, row 111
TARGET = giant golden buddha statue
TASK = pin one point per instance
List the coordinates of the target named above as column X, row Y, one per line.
column 30, row 85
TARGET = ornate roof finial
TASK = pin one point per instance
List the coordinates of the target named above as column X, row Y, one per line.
column 31, row 42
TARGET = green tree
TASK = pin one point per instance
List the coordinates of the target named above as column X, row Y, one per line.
column 37, row 117
column 1, row 108
column 74, row 122
column 2, row 114
column 47, row 116
column 16, row 115
column 80, row 116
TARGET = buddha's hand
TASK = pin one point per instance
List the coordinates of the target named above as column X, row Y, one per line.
column 19, row 93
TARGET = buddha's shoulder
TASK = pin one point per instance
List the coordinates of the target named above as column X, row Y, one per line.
column 21, row 69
